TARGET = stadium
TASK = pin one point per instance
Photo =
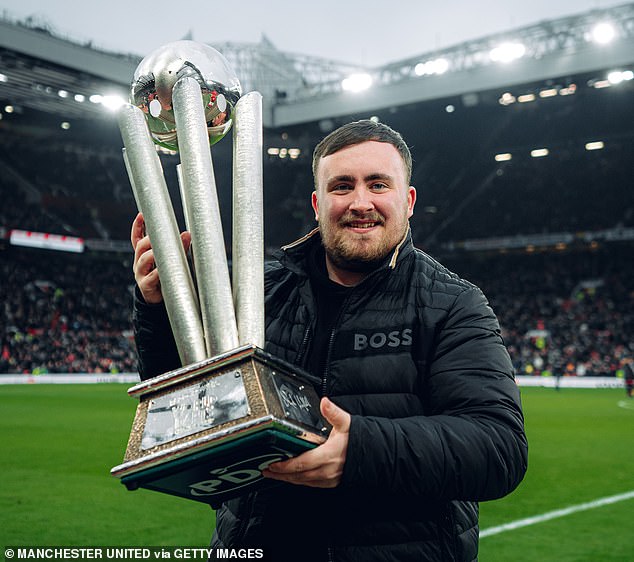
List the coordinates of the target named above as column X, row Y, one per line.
column 523, row 144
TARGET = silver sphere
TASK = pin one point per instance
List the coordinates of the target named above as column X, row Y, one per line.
column 157, row 74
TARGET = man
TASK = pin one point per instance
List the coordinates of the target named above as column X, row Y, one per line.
column 416, row 381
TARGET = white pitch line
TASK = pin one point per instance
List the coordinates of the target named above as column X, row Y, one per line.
column 555, row 514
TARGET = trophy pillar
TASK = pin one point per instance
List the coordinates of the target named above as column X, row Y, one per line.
column 206, row 431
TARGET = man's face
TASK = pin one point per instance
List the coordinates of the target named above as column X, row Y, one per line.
column 362, row 203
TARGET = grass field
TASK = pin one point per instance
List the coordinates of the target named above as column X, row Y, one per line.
column 59, row 443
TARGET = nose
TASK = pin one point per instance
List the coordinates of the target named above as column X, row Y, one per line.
column 361, row 200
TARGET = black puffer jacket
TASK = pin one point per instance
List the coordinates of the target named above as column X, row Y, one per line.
column 416, row 357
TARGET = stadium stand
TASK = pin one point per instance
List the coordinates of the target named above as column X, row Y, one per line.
column 548, row 239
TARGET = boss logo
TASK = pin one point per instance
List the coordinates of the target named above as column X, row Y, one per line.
column 236, row 475
column 377, row 340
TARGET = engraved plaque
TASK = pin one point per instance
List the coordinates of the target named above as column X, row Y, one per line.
column 194, row 408
column 206, row 431
column 295, row 401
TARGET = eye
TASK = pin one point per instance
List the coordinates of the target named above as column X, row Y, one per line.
column 341, row 187
column 379, row 186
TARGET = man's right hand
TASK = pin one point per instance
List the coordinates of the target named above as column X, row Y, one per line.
column 145, row 272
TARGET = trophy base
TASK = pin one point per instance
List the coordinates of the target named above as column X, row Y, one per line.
column 206, row 431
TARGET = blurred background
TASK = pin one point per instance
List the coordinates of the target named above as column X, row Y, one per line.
column 523, row 143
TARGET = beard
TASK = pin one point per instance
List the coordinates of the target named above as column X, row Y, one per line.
column 356, row 252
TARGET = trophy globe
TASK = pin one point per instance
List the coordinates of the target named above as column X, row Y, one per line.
column 156, row 75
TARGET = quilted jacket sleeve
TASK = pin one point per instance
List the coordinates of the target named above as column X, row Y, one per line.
column 471, row 444
column 156, row 348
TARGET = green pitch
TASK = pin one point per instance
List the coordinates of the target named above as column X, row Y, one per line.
column 60, row 441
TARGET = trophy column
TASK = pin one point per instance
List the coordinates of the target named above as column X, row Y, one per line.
column 206, row 431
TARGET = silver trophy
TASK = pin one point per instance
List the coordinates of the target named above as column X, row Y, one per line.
column 205, row 431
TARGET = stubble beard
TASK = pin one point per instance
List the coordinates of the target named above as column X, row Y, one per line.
column 360, row 254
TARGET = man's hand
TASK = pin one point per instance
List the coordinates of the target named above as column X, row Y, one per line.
column 145, row 272
column 321, row 467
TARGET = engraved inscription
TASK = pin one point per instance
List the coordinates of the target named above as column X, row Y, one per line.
column 299, row 400
column 194, row 408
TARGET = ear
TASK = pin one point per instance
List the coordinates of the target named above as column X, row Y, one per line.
column 315, row 205
column 411, row 200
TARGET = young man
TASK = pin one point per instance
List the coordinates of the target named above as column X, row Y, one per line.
column 416, row 381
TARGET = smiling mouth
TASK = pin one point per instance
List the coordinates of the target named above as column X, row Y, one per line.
column 362, row 224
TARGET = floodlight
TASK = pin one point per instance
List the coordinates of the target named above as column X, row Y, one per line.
column 524, row 98
column 603, row 33
column 356, row 82
column 548, row 93
column 435, row 66
column 507, row 52
column 618, row 76
column 112, row 102
column 503, row 157
column 539, row 152
column 507, row 98
column 594, row 145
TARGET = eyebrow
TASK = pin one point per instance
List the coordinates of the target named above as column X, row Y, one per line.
column 349, row 178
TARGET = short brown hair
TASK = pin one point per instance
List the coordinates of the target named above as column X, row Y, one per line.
column 358, row 132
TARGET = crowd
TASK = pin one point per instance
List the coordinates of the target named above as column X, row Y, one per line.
column 64, row 314
column 561, row 313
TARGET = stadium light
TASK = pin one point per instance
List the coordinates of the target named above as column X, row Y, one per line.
column 436, row 66
column 3, row 77
column 594, row 145
column 571, row 89
column 80, row 98
column 356, row 82
column 603, row 33
column 507, row 98
column 112, row 102
column 618, row 76
column 503, row 157
column 548, row 93
column 507, row 52
column 524, row 98
column 539, row 152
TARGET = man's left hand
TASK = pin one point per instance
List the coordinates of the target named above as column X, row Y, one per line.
column 321, row 467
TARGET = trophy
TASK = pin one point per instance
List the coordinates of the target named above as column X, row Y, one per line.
column 206, row 431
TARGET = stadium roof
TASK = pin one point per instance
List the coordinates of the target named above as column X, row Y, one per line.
column 39, row 70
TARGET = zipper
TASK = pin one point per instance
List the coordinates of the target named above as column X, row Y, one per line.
column 301, row 354
column 331, row 342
